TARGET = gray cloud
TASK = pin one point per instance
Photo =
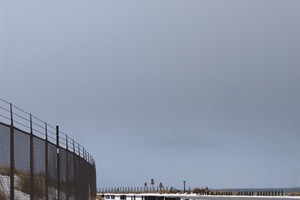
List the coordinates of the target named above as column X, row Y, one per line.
column 213, row 83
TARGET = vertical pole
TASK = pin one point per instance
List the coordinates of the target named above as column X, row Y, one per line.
column 31, row 161
column 12, row 156
column 79, row 173
column 184, row 186
column 67, row 168
column 58, row 164
column 74, row 171
column 94, row 180
column 46, row 162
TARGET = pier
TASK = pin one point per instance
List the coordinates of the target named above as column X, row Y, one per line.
column 157, row 196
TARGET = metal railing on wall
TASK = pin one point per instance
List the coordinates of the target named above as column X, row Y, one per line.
column 41, row 161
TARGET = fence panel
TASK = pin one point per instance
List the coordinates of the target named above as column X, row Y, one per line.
column 39, row 169
column 70, row 171
column 4, row 161
column 52, row 170
column 22, row 180
column 4, row 146
column 63, row 174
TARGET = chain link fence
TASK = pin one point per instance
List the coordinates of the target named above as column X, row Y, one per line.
column 39, row 162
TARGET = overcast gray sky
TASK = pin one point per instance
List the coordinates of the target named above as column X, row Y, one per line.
column 205, row 91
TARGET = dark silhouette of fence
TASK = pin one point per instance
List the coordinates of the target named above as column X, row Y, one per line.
column 38, row 161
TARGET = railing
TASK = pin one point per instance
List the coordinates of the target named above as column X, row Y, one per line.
column 25, row 121
column 134, row 189
column 41, row 161
column 196, row 191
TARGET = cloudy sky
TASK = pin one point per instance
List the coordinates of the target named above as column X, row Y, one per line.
column 205, row 91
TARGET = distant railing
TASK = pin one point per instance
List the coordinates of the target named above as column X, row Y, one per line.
column 41, row 161
column 133, row 189
column 164, row 190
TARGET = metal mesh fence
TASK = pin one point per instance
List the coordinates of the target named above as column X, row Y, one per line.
column 70, row 171
column 39, row 162
column 4, row 146
column 52, row 167
column 4, row 161
column 39, row 169
column 21, row 169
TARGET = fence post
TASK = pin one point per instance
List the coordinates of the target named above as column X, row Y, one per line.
column 31, row 161
column 74, row 171
column 12, row 156
column 46, row 161
column 79, row 171
column 67, row 167
column 58, row 165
